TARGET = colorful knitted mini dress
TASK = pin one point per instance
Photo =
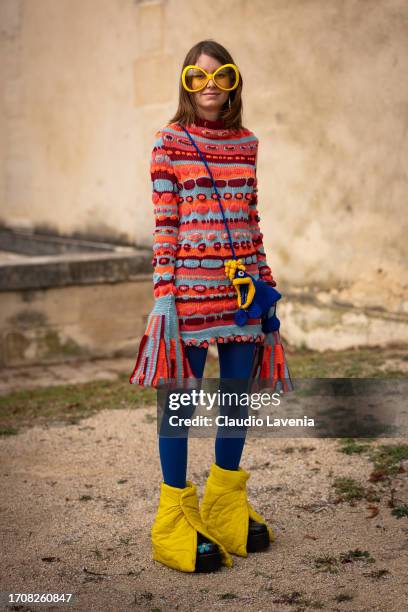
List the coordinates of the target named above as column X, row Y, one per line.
column 195, row 302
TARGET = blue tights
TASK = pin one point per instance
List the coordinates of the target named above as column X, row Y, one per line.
column 235, row 360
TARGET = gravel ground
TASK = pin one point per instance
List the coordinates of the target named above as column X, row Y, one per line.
column 78, row 501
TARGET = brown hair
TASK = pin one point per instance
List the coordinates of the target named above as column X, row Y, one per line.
column 187, row 109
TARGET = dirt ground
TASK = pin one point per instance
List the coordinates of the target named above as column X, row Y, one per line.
column 78, row 500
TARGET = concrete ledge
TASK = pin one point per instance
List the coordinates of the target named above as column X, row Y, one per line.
column 41, row 272
column 26, row 242
column 30, row 260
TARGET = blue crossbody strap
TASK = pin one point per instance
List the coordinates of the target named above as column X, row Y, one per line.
column 216, row 190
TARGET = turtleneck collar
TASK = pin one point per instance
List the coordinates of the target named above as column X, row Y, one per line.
column 216, row 124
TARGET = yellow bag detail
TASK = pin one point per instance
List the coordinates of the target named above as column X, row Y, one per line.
column 174, row 532
column 225, row 509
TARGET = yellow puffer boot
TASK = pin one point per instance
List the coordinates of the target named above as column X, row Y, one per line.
column 225, row 509
column 174, row 532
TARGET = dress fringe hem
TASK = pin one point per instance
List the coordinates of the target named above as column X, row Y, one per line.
column 162, row 358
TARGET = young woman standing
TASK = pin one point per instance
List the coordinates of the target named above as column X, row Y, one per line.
column 195, row 305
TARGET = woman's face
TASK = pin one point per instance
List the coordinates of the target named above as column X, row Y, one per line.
column 210, row 99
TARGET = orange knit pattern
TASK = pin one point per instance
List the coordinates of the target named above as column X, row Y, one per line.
column 191, row 243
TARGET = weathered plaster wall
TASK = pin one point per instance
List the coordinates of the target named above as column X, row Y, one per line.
column 86, row 83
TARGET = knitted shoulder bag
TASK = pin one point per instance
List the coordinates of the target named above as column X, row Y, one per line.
column 254, row 296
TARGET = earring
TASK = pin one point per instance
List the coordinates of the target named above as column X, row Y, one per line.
column 229, row 102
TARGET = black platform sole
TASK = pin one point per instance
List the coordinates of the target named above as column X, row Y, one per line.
column 258, row 537
column 257, row 542
column 209, row 561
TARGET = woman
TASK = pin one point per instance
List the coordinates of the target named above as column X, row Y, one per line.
column 195, row 305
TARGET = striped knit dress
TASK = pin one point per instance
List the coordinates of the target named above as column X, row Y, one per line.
column 191, row 244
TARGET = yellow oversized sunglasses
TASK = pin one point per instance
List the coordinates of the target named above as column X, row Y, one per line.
column 226, row 77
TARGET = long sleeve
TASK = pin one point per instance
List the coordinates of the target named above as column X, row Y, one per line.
column 265, row 273
column 161, row 355
column 165, row 200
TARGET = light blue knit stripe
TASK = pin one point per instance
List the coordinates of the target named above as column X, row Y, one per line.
column 163, row 184
column 167, row 276
column 217, row 216
column 152, row 350
column 212, row 164
column 175, row 334
column 160, row 245
column 160, row 144
column 193, row 263
column 222, row 331
column 215, row 298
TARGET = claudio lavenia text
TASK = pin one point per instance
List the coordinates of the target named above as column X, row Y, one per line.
column 249, row 421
